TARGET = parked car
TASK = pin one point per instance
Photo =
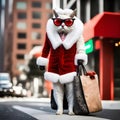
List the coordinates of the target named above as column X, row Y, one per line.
column 5, row 84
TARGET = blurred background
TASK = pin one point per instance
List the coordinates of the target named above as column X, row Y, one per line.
column 22, row 34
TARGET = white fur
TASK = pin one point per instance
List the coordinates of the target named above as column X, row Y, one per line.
column 58, row 95
column 59, row 90
column 63, row 13
column 75, row 32
column 67, row 78
column 80, row 45
column 53, row 77
column 74, row 35
column 81, row 56
column 63, row 79
column 70, row 97
column 41, row 61
column 53, row 35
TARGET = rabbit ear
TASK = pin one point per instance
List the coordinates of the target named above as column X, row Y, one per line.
column 73, row 13
column 55, row 13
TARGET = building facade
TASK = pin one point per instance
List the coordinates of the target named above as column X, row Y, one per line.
column 101, row 18
column 86, row 9
column 8, row 36
column 29, row 24
column 2, row 16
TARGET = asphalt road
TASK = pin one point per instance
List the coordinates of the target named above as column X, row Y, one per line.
column 39, row 109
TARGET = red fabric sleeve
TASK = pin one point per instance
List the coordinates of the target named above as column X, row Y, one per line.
column 46, row 47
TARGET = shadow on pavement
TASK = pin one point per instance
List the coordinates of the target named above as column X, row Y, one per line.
column 107, row 114
column 104, row 114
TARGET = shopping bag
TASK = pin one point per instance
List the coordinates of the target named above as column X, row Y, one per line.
column 86, row 92
column 53, row 103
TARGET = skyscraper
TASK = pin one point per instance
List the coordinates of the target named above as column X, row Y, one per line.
column 29, row 24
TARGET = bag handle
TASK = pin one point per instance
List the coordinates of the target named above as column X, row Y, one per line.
column 81, row 68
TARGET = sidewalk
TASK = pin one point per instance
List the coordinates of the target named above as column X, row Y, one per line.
column 112, row 105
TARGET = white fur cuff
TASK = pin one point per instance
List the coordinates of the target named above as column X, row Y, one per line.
column 53, row 77
column 41, row 61
column 81, row 56
column 67, row 78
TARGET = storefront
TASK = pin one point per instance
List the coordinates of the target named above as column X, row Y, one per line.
column 103, row 32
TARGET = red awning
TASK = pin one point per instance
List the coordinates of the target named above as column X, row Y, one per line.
column 106, row 24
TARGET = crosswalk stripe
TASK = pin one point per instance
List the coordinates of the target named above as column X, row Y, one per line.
column 42, row 115
column 30, row 111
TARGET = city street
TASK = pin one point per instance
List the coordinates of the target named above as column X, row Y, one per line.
column 39, row 109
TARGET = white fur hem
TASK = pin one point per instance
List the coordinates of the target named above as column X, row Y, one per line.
column 41, row 61
column 67, row 78
column 63, row 79
column 53, row 77
column 81, row 56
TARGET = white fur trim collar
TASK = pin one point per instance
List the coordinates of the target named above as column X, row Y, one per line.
column 70, row 39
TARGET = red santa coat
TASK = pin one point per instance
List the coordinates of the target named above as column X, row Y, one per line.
column 61, row 61
column 62, row 54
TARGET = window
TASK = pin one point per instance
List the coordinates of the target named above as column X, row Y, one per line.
column 34, row 45
column 94, row 8
column 21, row 5
column 21, row 46
column 22, row 15
column 21, row 25
column 36, row 15
column 83, row 10
column 48, row 5
column 117, row 6
column 36, row 25
column 36, row 4
column 21, row 35
column 20, row 56
column 36, row 35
